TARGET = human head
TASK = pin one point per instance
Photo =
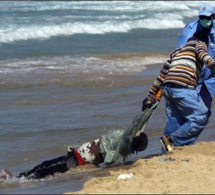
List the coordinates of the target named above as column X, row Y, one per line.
column 201, row 36
column 139, row 142
column 206, row 15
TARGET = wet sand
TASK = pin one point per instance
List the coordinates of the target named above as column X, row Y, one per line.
column 186, row 170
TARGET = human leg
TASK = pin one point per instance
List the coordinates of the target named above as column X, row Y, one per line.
column 50, row 167
column 174, row 119
column 193, row 111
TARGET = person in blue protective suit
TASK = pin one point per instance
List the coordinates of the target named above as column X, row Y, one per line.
column 205, row 23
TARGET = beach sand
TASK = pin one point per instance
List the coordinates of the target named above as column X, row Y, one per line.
column 185, row 170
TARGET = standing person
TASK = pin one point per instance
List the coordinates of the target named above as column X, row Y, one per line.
column 113, row 145
column 205, row 23
column 186, row 113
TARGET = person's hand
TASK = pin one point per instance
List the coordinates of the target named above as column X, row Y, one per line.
column 149, row 101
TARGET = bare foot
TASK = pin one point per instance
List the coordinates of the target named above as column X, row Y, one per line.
column 5, row 174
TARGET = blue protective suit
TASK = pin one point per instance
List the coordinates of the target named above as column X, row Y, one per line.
column 206, row 77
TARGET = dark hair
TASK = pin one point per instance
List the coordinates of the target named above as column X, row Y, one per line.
column 201, row 36
column 140, row 143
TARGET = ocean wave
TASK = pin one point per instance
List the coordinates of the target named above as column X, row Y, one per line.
column 68, row 29
column 108, row 64
column 100, row 5
column 70, row 18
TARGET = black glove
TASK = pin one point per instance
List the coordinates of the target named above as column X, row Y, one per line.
column 149, row 101
column 144, row 104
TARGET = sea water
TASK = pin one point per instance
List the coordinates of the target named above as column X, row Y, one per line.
column 71, row 70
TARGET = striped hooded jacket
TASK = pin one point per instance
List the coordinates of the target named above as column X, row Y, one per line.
column 184, row 66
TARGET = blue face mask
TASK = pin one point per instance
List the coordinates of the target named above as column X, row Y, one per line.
column 205, row 23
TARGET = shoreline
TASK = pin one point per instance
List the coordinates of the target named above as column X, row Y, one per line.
column 185, row 170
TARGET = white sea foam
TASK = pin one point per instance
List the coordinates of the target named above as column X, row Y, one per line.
column 102, row 5
column 45, row 32
column 80, row 65
column 79, row 18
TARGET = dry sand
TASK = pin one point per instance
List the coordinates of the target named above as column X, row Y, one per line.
column 186, row 170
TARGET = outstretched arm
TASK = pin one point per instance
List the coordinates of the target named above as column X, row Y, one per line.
column 204, row 57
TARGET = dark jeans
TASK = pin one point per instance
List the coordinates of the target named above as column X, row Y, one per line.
column 50, row 167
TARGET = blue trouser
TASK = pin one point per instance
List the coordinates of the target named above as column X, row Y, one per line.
column 206, row 87
column 186, row 115
column 206, row 97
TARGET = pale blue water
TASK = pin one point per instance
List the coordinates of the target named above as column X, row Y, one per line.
column 69, row 71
